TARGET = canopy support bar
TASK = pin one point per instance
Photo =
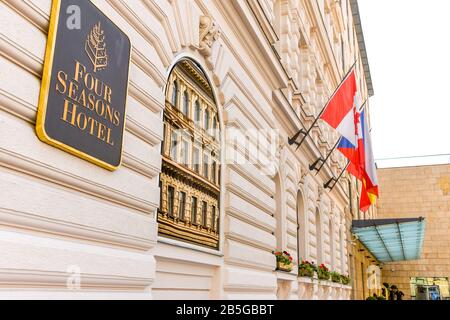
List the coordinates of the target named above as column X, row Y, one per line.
column 401, row 240
column 384, row 244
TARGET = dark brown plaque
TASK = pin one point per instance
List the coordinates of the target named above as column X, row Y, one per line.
column 82, row 105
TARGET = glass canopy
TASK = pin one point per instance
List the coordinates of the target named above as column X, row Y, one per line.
column 392, row 239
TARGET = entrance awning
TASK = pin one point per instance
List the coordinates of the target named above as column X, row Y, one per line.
column 392, row 239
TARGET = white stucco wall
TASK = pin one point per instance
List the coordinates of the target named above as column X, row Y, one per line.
column 58, row 211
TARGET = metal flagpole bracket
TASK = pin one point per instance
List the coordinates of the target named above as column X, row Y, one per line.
column 328, row 156
column 294, row 139
column 333, row 181
column 330, row 184
column 306, row 133
column 315, row 165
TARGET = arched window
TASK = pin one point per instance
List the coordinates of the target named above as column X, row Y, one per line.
column 319, row 253
column 332, row 244
column 174, row 94
column 342, row 249
column 190, row 191
column 302, row 231
column 186, row 103
column 279, row 212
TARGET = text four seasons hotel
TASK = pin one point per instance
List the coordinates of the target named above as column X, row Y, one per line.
column 152, row 149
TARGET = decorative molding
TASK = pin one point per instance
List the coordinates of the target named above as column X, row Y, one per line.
column 12, row 51
column 165, row 22
column 31, row 222
column 209, row 34
column 28, row 10
column 142, row 28
column 249, row 197
column 36, row 279
column 44, row 171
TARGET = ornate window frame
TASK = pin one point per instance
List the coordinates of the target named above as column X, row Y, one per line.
column 220, row 175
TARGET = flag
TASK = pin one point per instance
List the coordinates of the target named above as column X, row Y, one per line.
column 360, row 155
column 344, row 113
column 352, row 148
column 369, row 192
column 339, row 112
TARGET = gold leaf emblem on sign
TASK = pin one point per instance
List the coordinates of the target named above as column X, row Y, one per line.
column 96, row 48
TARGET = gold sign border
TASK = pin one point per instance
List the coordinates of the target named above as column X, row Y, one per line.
column 45, row 89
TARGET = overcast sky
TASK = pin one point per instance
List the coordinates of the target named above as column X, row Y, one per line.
column 408, row 45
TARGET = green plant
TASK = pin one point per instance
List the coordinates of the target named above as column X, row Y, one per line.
column 306, row 269
column 283, row 257
column 345, row 280
column 335, row 277
column 381, row 298
column 284, row 261
column 371, row 298
column 323, row 273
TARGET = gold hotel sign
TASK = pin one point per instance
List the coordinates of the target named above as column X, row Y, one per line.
column 84, row 88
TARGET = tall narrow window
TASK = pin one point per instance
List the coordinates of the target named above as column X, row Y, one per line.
column 185, row 152
column 163, row 148
column 205, row 166
column 213, row 217
column 182, row 205
column 214, row 128
column 186, row 103
column 196, row 160
column 206, row 119
column 319, row 253
column 170, row 200
column 332, row 244
column 214, row 172
column 303, row 229
column 194, row 210
column 174, row 145
column 280, row 226
column 205, row 213
column 342, row 249
column 174, row 94
column 218, row 175
column 197, row 113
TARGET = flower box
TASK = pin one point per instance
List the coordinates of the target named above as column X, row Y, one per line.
column 284, row 261
column 323, row 273
column 336, row 277
column 284, row 267
column 345, row 280
column 306, row 269
column 305, row 272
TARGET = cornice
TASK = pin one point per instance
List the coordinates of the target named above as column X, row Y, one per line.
column 263, row 51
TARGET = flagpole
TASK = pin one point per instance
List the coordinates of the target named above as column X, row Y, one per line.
column 335, row 146
column 328, row 156
column 335, row 180
column 323, row 109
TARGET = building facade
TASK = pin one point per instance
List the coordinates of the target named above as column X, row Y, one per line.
column 211, row 185
column 419, row 192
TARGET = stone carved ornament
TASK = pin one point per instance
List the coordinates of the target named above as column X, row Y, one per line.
column 304, row 173
column 209, row 33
